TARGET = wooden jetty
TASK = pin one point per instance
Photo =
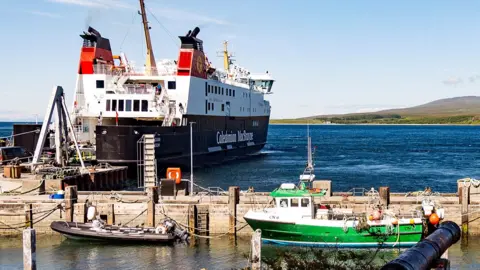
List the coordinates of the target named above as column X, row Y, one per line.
column 50, row 179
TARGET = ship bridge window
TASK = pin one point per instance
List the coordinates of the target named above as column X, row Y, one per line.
column 144, row 105
column 136, row 105
column 222, row 90
column 100, row 84
column 114, row 105
column 265, row 84
column 128, row 105
column 223, row 107
column 172, row 85
column 233, row 93
column 216, row 90
column 107, row 107
column 283, row 202
column 120, row 105
column 230, row 92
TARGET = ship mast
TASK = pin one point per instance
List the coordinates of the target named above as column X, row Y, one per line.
column 150, row 65
column 226, row 57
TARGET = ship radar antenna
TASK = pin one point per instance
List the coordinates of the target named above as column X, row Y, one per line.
column 227, row 57
column 150, row 65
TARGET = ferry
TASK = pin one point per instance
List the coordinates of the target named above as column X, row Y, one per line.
column 116, row 103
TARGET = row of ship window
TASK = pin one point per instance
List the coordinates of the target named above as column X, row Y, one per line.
column 210, row 106
column 171, row 85
column 222, row 91
column 126, row 105
column 219, row 90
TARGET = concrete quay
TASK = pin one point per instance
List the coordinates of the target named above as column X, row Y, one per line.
column 204, row 214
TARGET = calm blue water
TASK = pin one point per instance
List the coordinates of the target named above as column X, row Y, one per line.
column 406, row 158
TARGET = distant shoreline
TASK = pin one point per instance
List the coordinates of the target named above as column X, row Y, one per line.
column 368, row 124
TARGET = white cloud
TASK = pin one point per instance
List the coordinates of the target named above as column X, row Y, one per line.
column 85, row 3
column 176, row 14
column 453, row 81
column 44, row 14
column 95, row 3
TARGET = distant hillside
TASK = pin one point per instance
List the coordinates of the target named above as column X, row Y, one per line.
column 442, row 107
column 458, row 110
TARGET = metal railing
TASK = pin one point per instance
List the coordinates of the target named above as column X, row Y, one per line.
column 358, row 191
column 138, row 89
column 133, row 71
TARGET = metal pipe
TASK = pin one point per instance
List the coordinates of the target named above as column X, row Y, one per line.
column 426, row 252
column 191, row 158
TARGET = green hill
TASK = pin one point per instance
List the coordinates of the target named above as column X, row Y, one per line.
column 458, row 110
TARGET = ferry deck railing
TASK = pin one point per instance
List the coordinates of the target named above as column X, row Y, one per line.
column 115, row 71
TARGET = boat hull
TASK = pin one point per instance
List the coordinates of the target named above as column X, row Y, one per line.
column 118, row 144
column 82, row 231
column 337, row 235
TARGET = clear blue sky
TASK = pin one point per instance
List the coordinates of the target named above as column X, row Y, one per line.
column 327, row 56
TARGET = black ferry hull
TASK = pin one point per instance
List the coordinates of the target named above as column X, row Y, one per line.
column 215, row 140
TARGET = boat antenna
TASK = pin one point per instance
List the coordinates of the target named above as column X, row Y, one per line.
column 150, row 65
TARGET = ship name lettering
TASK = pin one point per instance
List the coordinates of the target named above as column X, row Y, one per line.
column 241, row 136
column 245, row 136
column 226, row 138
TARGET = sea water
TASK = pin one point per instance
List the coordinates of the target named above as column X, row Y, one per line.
column 406, row 158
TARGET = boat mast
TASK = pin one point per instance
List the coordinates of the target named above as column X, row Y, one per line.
column 150, row 65
column 309, row 146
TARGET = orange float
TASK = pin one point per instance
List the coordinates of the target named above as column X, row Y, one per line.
column 394, row 221
column 434, row 219
column 370, row 217
column 174, row 173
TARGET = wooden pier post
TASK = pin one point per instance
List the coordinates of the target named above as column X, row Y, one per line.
column 71, row 197
column 256, row 255
column 464, row 197
column 29, row 249
column 28, row 215
column 192, row 219
column 384, row 193
column 110, row 214
column 233, row 200
column 152, row 193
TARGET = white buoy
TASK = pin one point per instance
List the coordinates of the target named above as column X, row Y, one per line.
column 91, row 213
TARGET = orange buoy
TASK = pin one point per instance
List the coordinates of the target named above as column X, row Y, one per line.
column 370, row 217
column 434, row 219
column 175, row 174
column 412, row 221
column 394, row 221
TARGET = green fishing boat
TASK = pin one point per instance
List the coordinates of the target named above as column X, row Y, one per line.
column 296, row 219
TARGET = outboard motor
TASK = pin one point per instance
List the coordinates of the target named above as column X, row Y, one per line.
column 176, row 230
